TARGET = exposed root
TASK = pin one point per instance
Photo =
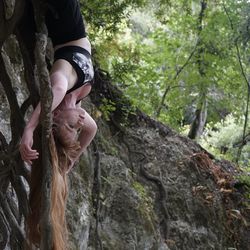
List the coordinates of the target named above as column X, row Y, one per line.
column 162, row 199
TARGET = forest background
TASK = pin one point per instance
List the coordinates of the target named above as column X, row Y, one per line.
column 185, row 63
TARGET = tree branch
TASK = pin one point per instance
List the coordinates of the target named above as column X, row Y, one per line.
column 25, row 34
column 163, row 198
column 168, row 88
column 18, row 232
column 16, row 118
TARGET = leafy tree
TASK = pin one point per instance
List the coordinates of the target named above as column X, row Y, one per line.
column 178, row 60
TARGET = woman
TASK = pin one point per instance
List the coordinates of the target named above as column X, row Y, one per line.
column 71, row 74
column 73, row 128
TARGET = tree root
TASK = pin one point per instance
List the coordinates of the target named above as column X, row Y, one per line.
column 163, row 198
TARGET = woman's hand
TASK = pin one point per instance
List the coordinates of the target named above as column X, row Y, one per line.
column 25, row 148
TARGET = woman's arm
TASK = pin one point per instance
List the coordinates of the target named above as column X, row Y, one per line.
column 59, row 88
column 25, row 148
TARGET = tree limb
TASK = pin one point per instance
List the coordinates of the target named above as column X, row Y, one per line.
column 16, row 118
column 25, row 34
column 174, row 79
column 18, row 232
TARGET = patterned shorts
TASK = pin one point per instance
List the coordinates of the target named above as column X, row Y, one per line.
column 80, row 59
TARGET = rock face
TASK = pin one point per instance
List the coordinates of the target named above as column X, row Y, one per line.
column 154, row 195
column 142, row 186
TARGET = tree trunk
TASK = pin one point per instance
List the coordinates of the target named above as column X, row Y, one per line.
column 199, row 122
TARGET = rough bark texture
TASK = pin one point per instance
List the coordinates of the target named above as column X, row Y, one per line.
column 46, row 122
column 140, row 185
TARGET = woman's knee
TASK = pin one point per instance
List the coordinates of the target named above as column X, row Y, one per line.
column 92, row 127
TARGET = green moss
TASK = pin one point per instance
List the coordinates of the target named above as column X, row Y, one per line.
column 107, row 146
column 145, row 208
column 139, row 188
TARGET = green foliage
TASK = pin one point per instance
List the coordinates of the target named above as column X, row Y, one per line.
column 145, row 206
column 245, row 179
column 224, row 139
column 107, row 107
column 106, row 16
column 149, row 54
column 163, row 48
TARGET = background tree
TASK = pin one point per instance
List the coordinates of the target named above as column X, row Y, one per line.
column 178, row 62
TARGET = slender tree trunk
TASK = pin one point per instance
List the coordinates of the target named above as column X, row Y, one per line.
column 198, row 124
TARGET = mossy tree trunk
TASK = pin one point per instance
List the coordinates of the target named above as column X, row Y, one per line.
column 15, row 19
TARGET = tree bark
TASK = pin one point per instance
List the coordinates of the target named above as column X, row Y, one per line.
column 199, row 121
column 46, row 122
column 198, row 124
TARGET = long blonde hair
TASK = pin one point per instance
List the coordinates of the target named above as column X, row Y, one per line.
column 61, row 157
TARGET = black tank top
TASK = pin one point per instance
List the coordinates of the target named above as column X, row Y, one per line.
column 64, row 21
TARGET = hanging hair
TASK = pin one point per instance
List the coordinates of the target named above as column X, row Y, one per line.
column 62, row 154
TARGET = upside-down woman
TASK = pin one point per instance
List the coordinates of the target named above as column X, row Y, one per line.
column 71, row 77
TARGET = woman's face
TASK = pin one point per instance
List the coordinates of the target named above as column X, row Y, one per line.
column 68, row 125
